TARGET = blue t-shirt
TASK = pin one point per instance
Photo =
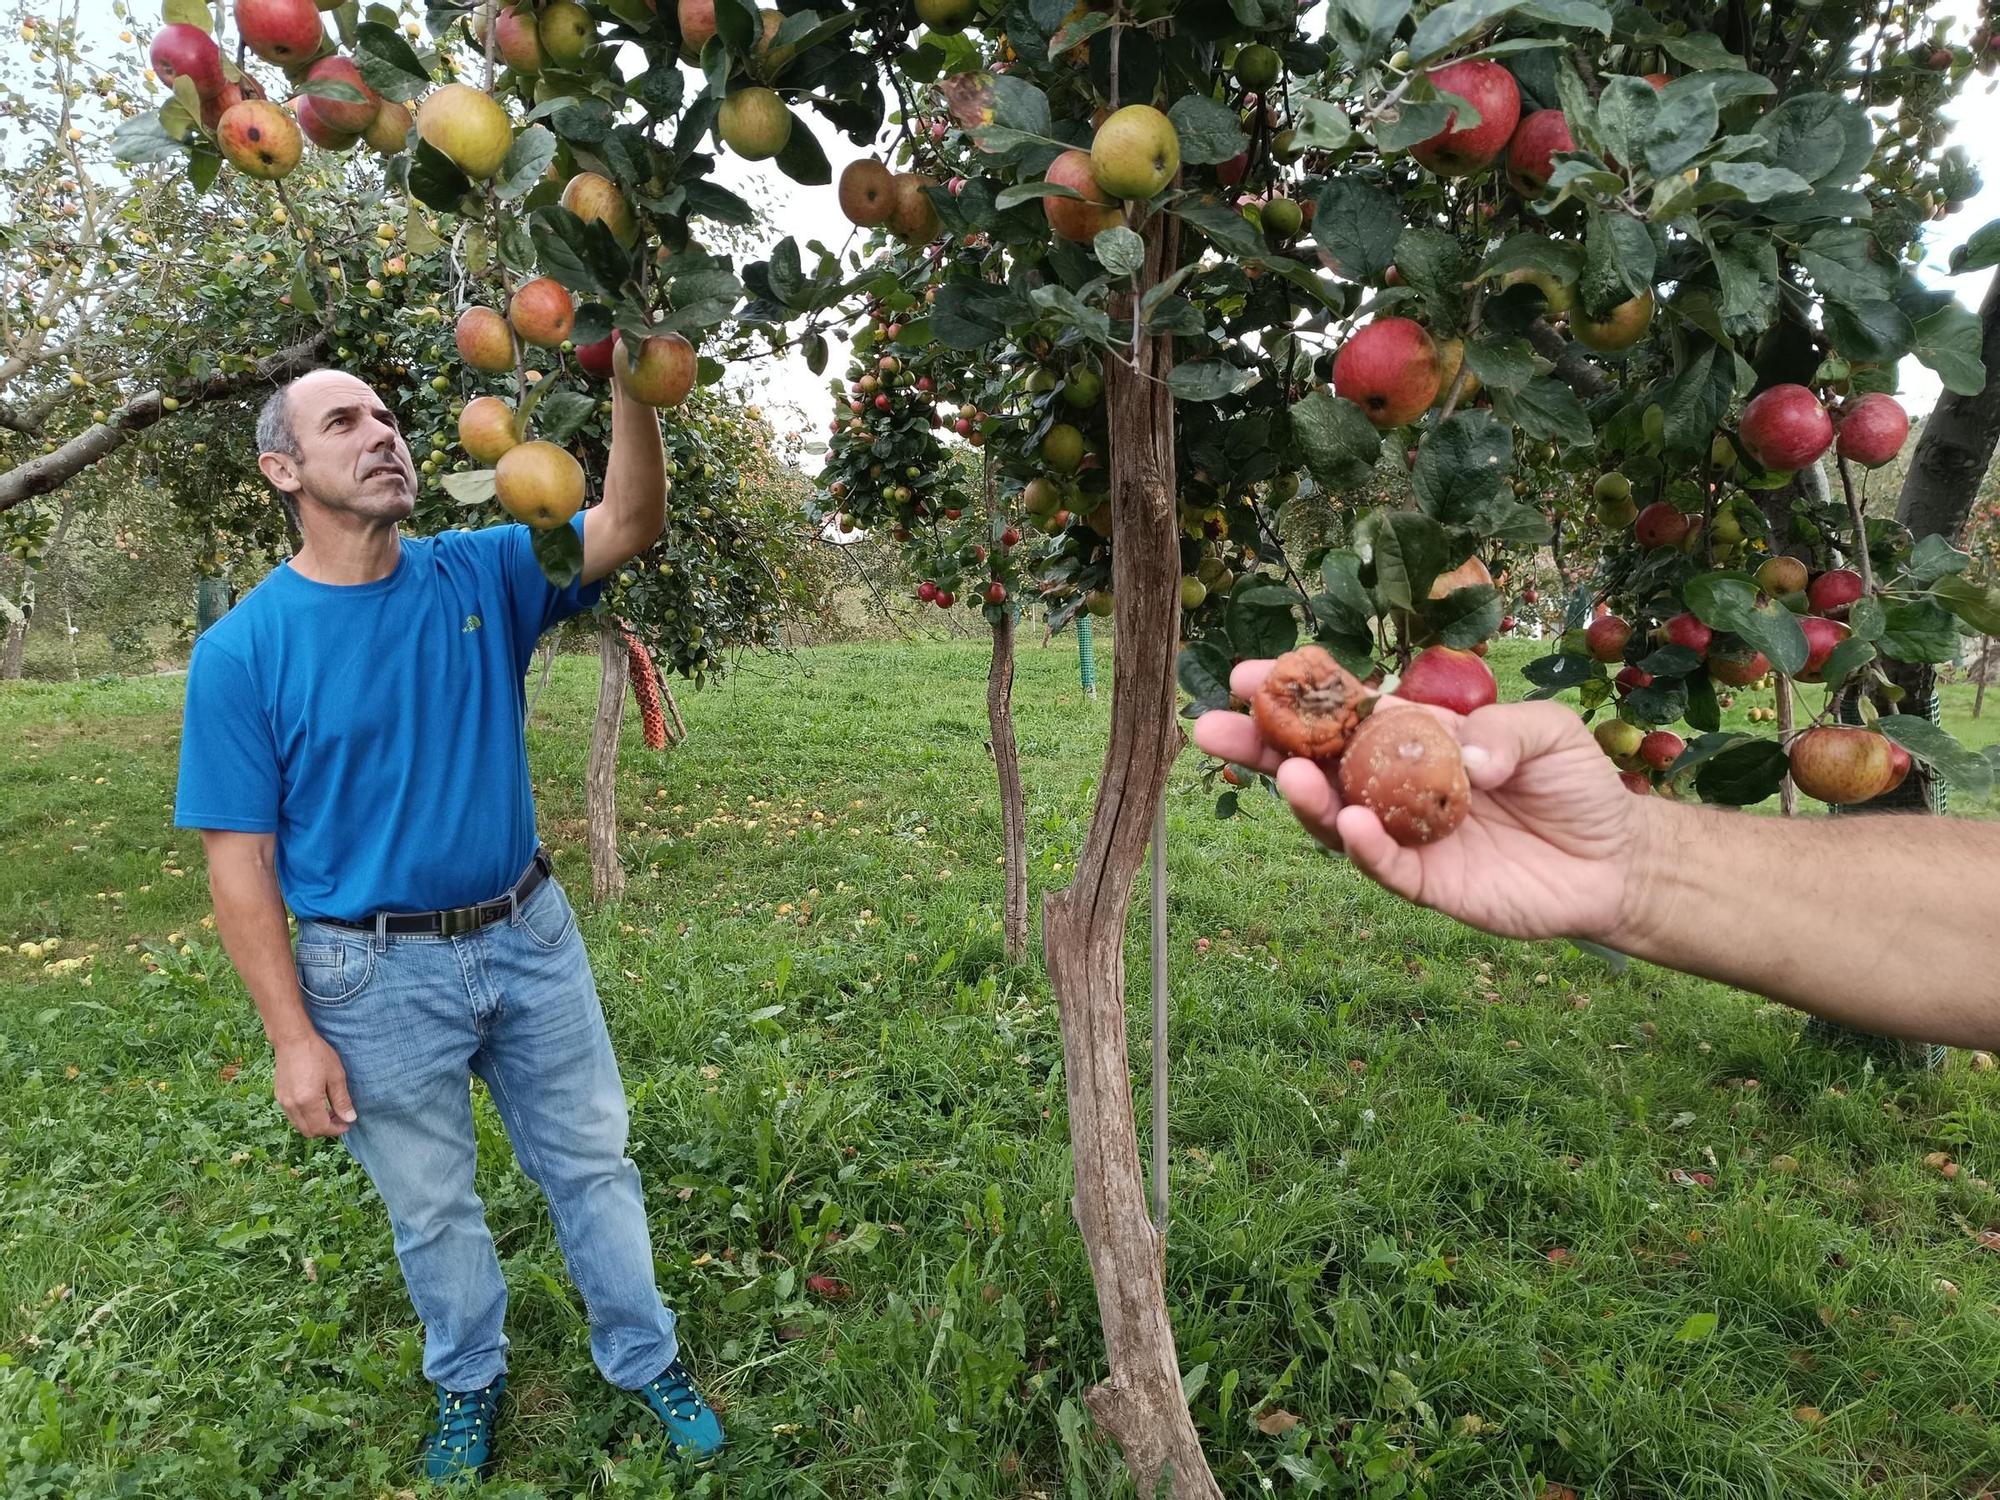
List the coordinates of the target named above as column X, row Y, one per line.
column 377, row 728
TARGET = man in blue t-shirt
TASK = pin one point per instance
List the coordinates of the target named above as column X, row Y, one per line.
column 354, row 749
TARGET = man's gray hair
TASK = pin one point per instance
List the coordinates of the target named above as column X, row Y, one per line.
column 275, row 434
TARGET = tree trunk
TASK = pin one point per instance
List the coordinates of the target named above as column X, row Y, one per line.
column 1013, row 812
column 1979, row 682
column 607, row 875
column 1007, row 761
column 13, row 653
column 1083, row 927
column 1952, row 457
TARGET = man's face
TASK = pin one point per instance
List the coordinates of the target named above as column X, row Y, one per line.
column 352, row 455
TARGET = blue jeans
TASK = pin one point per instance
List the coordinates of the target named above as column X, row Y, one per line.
column 412, row 1019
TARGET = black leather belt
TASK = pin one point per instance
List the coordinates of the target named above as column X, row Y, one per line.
column 460, row 919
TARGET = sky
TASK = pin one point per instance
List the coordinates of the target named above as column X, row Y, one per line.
column 797, row 400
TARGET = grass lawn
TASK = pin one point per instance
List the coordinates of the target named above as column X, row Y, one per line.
column 1437, row 1228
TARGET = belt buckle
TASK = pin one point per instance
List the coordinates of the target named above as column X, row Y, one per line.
column 459, row 920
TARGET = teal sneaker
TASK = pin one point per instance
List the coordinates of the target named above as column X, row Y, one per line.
column 461, row 1441
column 691, row 1424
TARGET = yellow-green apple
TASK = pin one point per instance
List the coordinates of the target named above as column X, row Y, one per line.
column 1136, row 152
column 1780, row 576
column 594, row 198
column 389, row 131
column 754, row 123
column 1488, row 88
column 468, row 126
column 1618, row 329
column 539, row 483
column 486, row 429
column 520, row 39
column 1389, row 369
column 566, row 32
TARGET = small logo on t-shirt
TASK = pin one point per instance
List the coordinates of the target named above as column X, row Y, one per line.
column 471, row 624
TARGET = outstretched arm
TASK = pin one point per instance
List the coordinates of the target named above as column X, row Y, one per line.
column 635, row 490
column 1868, row 920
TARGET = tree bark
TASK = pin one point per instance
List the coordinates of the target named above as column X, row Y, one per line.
column 1979, row 682
column 607, row 875
column 1013, row 810
column 1083, row 927
column 1951, row 459
column 13, row 650
column 1007, row 762
column 49, row 471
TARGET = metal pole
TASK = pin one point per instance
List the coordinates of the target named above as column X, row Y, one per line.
column 1160, row 1019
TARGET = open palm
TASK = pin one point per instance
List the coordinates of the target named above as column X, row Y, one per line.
column 1545, row 850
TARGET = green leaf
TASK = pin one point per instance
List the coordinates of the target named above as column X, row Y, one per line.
column 1703, row 712
column 1534, row 252
column 1464, row 617
column 1934, row 557
column 1698, row 1327
column 435, row 180
column 1504, row 364
column 1744, row 773
column 1364, row 28
column 1849, row 657
column 190, row 13
column 1120, row 251
column 1755, row 181
column 1683, row 127
column 1340, row 444
column 559, row 550
column 562, row 414
column 1433, row 266
column 1225, row 227
column 1461, row 466
column 1625, row 114
column 1842, row 264
column 1406, row 549
column 1346, row 602
column 1918, row 631
column 1571, row 15
column 1452, row 22
column 1869, row 331
column 1203, row 670
column 1978, row 606
column 1694, row 401
column 1320, row 126
column 1357, row 227
column 1546, row 409
column 1019, row 105
column 1079, row 31
column 527, row 161
column 388, row 63
column 1618, row 260
column 1746, row 267
column 1208, row 379
column 1729, row 601
column 1978, row 252
column 1963, row 769
column 1697, row 49
column 303, row 299
column 1949, row 342
column 143, row 138
column 475, row 487
column 567, row 250
column 1210, row 131
column 1409, row 123
column 1262, row 620
column 1558, row 672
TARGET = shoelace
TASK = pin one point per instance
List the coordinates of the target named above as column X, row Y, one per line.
column 460, row 1418
column 675, row 1388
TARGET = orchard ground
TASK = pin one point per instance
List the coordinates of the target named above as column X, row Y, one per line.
column 1531, row 1221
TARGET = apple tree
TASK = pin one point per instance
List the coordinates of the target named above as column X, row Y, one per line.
column 1402, row 268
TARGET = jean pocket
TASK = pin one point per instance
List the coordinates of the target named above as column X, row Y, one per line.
column 334, row 973
column 548, row 919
